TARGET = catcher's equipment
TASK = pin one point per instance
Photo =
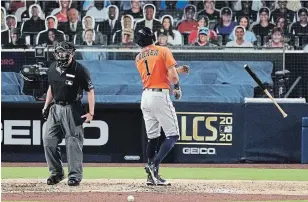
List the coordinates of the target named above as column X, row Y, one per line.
column 63, row 52
column 145, row 37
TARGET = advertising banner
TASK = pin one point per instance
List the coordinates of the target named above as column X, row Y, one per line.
column 114, row 135
column 211, row 134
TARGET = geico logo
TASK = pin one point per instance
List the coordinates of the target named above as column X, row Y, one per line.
column 11, row 132
column 196, row 150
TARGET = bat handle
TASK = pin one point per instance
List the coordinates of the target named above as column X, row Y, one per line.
column 276, row 104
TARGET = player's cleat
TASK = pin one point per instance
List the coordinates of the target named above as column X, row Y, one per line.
column 54, row 179
column 73, row 182
column 150, row 182
column 151, row 169
column 162, row 182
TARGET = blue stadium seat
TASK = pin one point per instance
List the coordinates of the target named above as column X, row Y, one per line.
column 10, row 89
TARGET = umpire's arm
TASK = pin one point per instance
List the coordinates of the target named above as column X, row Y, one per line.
column 88, row 86
column 49, row 97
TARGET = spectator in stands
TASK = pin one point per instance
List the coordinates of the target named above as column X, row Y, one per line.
column 226, row 25
column 203, row 21
column 282, row 11
column 3, row 16
column 4, row 29
column 149, row 20
column 294, row 5
column 127, row 38
column 249, row 36
column 264, row 27
column 281, row 23
column 35, row 24
column 51, row 35
column 23, row 14
column 174, row 36
column 203, row 39
column 72, row 26
column 89, row 38
column 277, row 40
column 98, row 11
column 15, row 40
column 89, row 23
column 247, row 12
column 239, row 33
column 210, row 11
column 110, row 26
column 135, row 10
column 125, row 5
column 301, row 27
column 127, row 22
column 61, row 15
column 11, row 21
column 162, row 38
column 172, row 10
column 15, row 5
column 189, row 23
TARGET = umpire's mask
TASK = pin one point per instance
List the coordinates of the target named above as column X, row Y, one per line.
column 63, row 53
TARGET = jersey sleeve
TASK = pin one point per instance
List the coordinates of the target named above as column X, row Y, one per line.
column 86, row 82
column 169, row 59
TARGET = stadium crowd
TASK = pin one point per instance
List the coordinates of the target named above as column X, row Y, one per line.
column 207, row 23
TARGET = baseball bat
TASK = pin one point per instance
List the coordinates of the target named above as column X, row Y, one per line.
column 260, row 84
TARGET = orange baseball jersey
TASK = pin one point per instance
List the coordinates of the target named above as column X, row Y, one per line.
column 153, row 63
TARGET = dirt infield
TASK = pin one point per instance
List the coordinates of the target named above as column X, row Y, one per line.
column 180, row 191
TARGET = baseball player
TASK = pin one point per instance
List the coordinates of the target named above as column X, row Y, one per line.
column 157, row 69
column 67, row 79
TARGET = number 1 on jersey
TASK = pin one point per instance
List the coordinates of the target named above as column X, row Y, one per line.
column 147, row 67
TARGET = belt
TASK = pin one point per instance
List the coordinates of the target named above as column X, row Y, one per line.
column 157, row 89
column 63, row 103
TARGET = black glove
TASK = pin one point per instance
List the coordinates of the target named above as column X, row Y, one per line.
column 45, row 112
column 177, row 92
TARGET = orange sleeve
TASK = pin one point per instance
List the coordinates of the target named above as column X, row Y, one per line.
column 169, row 59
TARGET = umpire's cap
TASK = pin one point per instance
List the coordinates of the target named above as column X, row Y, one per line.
column 145, row 37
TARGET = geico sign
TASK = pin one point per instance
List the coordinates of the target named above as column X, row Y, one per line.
column 196, row 150
column 11, row 132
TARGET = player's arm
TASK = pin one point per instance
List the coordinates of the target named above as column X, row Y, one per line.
column 173, row 74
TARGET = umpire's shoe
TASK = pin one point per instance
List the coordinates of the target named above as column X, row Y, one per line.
column 73, row 182
column 54, row 179
column 151, row 169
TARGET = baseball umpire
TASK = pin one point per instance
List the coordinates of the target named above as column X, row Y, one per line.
column 65, row 114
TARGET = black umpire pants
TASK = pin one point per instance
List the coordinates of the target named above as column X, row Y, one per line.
column 64, row 122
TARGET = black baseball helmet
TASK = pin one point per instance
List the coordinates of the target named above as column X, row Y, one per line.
column 145, row 37
column 63, row 52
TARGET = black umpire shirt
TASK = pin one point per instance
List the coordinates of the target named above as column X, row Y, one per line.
column 67, row 84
